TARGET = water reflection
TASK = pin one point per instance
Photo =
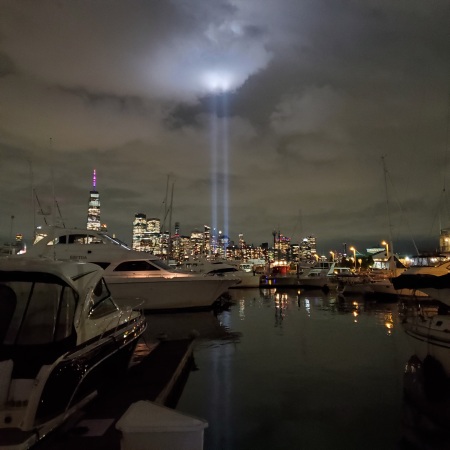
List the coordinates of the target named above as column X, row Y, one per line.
column 306, row 370
column 309, row 370
column 311, row 301
column 426, row 407
column 203, row 326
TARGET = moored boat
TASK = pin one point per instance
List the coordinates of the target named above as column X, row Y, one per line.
column 150, row 284
column 353, row 284
column 245, row 272
column 323, row 275
column 434, row 280
column 429, row 333
column 281, row 276
column 62, row 340
column 135, row 278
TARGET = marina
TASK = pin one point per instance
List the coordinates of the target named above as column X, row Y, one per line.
column 224, row 225
column 310, row 370
column 278, row 370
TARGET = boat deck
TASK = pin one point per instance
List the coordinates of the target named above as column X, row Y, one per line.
column 159, row 378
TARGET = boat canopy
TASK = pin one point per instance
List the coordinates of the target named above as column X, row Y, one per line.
column 36, row 318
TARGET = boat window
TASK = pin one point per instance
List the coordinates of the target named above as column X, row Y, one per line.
column 135, row 266
column 101, row 301
column 223, row 270
column 103, row 265
column 44, row 313
column 78, row 238
column 57, row 241
column 115, row 241
column 84, row 239
column 161, row 264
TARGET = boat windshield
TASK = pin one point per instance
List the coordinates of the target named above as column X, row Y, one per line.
column 35, row 309
column 115, row 241
column 81, row 237
column 161, row 264
column 434, row 260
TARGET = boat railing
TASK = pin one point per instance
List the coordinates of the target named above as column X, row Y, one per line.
column 127, row 310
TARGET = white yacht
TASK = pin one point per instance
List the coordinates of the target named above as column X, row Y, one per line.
column 244, row 271
column 323, row 275
column 433, row 280
column 429, row 334
column 62, row 340
column 135, row 278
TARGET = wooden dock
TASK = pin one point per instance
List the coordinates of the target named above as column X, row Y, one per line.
column 159, row 378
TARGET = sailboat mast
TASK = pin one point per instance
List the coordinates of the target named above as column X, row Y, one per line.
column 388, row 214
column 169, row 251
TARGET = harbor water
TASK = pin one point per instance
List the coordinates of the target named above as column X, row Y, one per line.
column 295, row 370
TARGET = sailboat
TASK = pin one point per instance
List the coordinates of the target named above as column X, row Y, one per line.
column 380, row 284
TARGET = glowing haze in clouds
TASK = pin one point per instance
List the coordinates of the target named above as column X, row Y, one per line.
column 317, row 91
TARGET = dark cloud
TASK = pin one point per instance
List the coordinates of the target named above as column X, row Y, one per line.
column 316, row 92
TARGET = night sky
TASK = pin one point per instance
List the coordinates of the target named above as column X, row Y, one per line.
column 280, row 109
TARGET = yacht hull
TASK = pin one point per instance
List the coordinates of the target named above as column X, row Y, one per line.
column 168, row 294
column 62, row 340
column 433, row 281
column 430, row 338
column 62, row 388
column 248, row 280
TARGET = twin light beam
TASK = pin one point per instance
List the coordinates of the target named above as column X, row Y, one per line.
column 219, row 147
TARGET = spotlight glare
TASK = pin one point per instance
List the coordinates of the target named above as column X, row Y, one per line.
column 217, row 82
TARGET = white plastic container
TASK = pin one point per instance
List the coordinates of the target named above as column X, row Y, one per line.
column 148, row 426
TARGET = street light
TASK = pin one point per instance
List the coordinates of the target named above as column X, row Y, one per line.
column 353, row 249
column 274, row 234
column 387, row 247
column 387, row 251
column 332, row 256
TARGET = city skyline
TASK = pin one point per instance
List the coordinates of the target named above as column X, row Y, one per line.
column 94, row 222
column 263, row 116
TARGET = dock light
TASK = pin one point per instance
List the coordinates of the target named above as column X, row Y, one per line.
column 353, row 249
column 387, row 252
column 387, row 248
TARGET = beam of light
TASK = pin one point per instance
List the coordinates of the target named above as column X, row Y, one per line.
column 217, row 82
column 219, row 148
column 214, row 169
column 225, row 150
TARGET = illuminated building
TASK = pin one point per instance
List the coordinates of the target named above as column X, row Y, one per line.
column 207, row 247
column 147, row 234
column 153, row 225
column 195, row 245
column 139, row 228
column 284, row 245
column 444, row 240
column 93, row 219
column 223, row 242
column 308, row 251
column 176, row 248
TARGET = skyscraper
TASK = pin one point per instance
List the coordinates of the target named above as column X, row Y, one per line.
column 139, row 229
column 93, row 219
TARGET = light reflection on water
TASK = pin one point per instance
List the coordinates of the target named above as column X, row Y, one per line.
column 288, row 370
